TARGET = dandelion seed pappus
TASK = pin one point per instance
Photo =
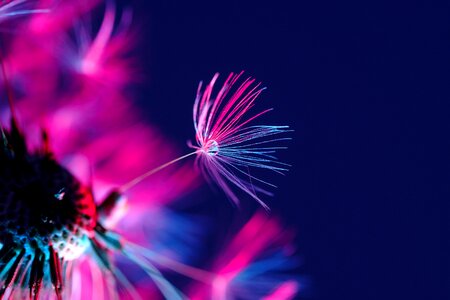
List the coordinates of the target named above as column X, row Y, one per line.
column 227, row 145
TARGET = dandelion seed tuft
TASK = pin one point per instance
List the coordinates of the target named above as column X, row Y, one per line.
column 227, row 146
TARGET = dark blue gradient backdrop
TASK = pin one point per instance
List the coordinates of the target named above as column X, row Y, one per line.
column 365, row 87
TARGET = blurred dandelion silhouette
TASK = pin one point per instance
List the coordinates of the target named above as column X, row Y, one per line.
column 252, row 265
column 76, row 220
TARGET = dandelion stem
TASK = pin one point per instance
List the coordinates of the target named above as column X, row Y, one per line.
column 140, row 178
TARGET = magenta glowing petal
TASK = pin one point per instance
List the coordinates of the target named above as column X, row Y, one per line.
column 227, row 147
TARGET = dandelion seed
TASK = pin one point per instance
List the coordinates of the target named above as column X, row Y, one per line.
column 227, row 146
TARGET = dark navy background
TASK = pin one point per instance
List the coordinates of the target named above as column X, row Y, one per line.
column 365, row 86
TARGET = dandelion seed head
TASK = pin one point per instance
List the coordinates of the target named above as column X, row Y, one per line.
column 43, row 203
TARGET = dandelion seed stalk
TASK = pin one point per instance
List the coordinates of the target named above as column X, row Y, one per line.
column 142, row 177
